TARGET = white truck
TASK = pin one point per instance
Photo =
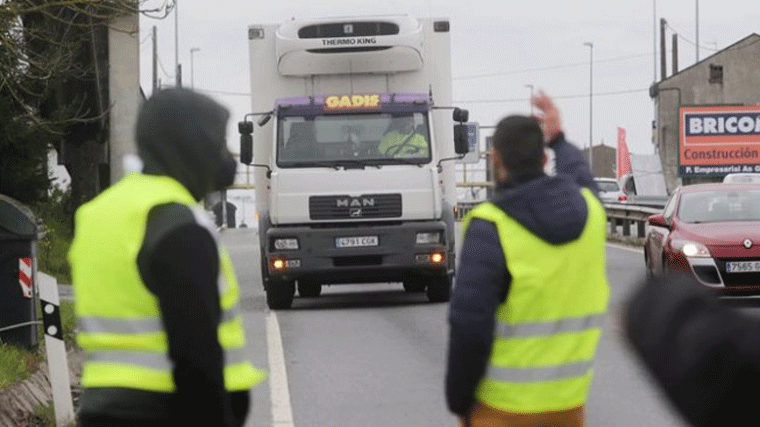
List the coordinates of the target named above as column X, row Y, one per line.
column 334, row 204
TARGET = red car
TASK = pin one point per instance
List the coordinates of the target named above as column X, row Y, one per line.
column 711, row 231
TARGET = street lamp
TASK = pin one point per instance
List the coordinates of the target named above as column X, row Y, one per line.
column 192, row 80
column 590, row 105
column 531, row 98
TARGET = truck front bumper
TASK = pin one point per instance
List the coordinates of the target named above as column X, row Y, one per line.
column 396, row 256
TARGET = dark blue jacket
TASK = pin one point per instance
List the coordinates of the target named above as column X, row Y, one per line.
column 554, row 209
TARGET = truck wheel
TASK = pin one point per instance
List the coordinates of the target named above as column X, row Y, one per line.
column 308, row 288
column 439, row 289
column 414, row 285
column 280, row 294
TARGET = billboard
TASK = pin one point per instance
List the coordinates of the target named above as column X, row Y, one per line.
column 718, row 139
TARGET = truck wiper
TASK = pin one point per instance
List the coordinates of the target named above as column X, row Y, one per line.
column 349, row 164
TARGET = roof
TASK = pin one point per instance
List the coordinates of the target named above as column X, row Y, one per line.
column 711, row 57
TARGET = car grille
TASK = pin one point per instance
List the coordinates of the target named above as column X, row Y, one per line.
column 359, row 208
column 737, row 280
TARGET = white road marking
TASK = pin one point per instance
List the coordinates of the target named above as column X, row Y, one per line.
column 626, row 248
column 279, row 394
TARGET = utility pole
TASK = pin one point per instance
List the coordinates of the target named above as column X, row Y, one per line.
column 675, row 53
column 177, row 67
column 155, row 60
column 663, row 65
column 697, row 29
column 590, row 106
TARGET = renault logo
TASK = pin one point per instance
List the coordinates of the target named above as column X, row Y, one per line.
column 747, row 243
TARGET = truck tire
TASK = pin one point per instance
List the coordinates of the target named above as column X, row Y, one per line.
column 414, row 285
column 309, row 288
column 280, row 294
column 439, row 289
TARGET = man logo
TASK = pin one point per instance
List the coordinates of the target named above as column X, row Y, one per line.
column 355, row 212
column 747, row 243
column 348, row 29
column 355, row 202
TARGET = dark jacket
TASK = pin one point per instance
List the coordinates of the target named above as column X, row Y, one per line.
column 704, row 354
column 180, row 134
column 553, row 209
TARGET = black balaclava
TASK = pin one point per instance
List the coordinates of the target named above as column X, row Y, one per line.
column 182, row 134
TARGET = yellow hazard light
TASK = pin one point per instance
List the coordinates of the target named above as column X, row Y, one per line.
column 278, row 264
column 436, row 258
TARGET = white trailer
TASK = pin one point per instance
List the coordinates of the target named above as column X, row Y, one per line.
column 332, row 207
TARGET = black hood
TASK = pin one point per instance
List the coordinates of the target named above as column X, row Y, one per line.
column 182, row 134
column 552, row 208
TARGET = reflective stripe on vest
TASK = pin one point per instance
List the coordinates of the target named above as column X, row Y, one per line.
column 538, row 329
column 548, row 328
column 120, row 320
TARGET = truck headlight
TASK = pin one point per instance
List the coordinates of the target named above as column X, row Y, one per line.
column 286, row 243
column 691, row 249
column 428, row 237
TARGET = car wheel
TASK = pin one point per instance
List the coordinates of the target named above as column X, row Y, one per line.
column 439, row 289
column 414, row 285
column 280, row 294
column 309, row 289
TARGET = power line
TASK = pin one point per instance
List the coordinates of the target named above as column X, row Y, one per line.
column 551, row 67
column 163, row 70
column 687, row 40
column 585, row 95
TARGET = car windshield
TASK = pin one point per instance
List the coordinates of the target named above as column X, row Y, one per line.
column 608, row 186
column 353, row 140
column 719, row 206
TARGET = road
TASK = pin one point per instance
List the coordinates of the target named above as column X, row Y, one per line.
column 372, row 355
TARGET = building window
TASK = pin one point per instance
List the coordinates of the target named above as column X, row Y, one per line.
column 716, row 73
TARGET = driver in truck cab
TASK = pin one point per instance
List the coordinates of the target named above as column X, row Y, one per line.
column 402, row 140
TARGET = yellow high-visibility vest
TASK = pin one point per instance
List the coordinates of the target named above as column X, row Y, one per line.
column 396, row 144
column 120, row 319
column 549, row 326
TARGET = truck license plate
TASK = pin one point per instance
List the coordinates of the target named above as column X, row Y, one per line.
column 355, row 242
column 743, row 267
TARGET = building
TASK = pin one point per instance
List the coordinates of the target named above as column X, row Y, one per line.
column 709, row 93
column 604, row 161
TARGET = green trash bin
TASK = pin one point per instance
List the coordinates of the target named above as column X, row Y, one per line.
column 18, row 295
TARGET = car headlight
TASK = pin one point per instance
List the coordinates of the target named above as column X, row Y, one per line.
column 286, row 243
column 428, row 237
column 691, row 249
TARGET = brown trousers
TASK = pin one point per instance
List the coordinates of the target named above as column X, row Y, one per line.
column 485, row 416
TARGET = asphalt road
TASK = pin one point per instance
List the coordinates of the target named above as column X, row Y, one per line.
column 372, row 355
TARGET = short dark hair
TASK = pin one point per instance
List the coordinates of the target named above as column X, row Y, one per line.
column 520, row 142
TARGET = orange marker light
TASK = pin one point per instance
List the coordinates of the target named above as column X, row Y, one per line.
column 436, row 258
column 278, row 264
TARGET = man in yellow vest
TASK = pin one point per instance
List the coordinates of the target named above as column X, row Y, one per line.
column 156, row 294
column 531, row 290
column 402, row 140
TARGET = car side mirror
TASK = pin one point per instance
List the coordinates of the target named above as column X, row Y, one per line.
column 658, row 220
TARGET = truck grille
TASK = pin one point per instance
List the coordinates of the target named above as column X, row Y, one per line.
column 348, row 29
column 362, row 207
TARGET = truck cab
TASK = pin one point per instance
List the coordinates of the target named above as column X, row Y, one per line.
column 353, row 184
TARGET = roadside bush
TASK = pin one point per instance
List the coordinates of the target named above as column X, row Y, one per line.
column 55, row 213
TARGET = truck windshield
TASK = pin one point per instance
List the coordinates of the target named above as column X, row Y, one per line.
column 365, row 139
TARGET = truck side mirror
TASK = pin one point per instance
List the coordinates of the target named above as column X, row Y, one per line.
column 460, row 139
column 461, row 115
column 246, row 148
column 246, row 142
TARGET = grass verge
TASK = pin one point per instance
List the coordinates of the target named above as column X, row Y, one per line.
column 16, row 363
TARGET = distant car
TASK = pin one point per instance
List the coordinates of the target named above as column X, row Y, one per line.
column 609, row 191
column 742, row 178
column 709, row 231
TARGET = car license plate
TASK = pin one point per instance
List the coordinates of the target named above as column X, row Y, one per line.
column 743, row 267
column 355, row 242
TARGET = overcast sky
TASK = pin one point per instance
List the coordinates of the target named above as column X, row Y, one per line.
column 498, row 47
